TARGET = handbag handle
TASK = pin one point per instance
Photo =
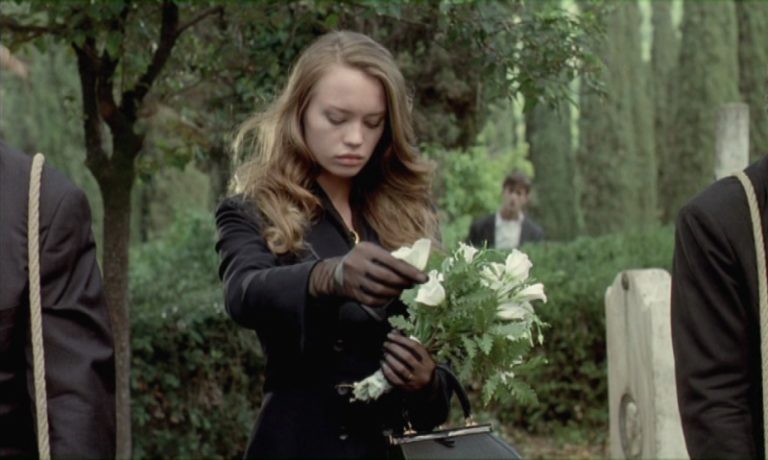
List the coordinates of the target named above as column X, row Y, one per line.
column 35, row 309
column 461, row 393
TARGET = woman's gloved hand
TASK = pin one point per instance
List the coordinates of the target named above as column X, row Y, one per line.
column 367, row 274
column 407, row 364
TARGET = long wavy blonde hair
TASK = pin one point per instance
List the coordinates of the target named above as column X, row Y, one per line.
column 392, row 190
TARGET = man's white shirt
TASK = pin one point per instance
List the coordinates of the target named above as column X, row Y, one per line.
column 508, row 231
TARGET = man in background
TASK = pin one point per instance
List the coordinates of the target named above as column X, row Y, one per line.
column 77, row 336
column 509, row 227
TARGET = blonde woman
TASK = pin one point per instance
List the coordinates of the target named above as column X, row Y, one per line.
column 333, row 184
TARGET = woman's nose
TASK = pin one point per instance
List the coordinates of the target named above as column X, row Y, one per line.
column 354, row 135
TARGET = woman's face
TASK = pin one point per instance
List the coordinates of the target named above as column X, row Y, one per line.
column 344, row 121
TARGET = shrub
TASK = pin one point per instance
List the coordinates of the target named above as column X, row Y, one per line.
column 469, row 186
column 572, row 387
column 196, row 376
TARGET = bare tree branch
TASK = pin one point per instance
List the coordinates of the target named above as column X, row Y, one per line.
column 97, row 159
column 168, row 35
column 198, row 18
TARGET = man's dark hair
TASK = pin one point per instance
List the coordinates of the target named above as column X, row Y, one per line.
column 515, row 179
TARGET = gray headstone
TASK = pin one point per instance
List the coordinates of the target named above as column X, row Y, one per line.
column 732, row 139
column 644, row 418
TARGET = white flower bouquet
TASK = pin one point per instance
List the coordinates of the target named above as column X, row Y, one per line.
column 475, row 313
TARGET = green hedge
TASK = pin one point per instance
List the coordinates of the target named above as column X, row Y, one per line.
column 197, row 376
column 572, row 387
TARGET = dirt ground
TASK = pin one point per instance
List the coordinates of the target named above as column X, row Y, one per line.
column 564, row 446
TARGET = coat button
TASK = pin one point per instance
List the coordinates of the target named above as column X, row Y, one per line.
column 338, row 346
column 342, row 390
column 343, row 435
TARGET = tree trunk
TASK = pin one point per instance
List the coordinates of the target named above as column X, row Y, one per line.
column 116, row 193
column 218, row 166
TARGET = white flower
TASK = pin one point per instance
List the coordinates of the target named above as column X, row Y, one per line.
column 493, row 276
column 467, row 252
column 370, row 387
column 517, row 266
column 416, row 255
column 432, row 292
column 532, row 292
column 507, row 375
column 514, row 310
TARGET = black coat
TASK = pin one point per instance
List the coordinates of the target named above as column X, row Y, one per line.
column 79, row 358
column 483, row 230
column 715, row 327
column 311, row 346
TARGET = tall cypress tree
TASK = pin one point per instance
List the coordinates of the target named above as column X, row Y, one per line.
column 641, row 111
column 664, row 56
column 709, row 77
column 548, row 132
column 615, row 155
column 752, row 19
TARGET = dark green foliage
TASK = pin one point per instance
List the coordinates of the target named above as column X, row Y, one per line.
column 664, row 55
column 550, row 148
column 753, row 71
column 196, row 376
column 572, row 387
column 461, row 56
column 615, row 156
column 709, row 70
column 468, row 186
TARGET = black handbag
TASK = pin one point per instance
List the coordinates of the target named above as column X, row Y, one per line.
column 471, row 441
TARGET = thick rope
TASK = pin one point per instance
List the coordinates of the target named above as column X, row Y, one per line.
column 36, row 320
column 762, row 283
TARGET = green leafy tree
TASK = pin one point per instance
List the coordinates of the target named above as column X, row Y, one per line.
column 664, row 54
column 163, row 83
column 752, row 18
column 709, row 77
column 548, row 131
column 459, row 57
column 121, row 49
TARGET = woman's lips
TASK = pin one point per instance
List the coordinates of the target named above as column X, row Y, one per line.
column 349, row 160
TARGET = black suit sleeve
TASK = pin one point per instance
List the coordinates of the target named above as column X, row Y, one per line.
column 475, row 237
column 711, row 345
column 79, row 353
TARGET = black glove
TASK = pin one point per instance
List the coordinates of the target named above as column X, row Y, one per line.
column 367, row 274
column 407, row 364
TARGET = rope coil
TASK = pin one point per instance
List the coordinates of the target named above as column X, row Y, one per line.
column 35, row 309
column 762, row 283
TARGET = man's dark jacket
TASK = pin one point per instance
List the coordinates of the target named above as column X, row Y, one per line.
column 483, row 230
column 79, row 359
column 715, row 326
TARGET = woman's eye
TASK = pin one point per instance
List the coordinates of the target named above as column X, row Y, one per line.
column 374, row 125
column 334, row 120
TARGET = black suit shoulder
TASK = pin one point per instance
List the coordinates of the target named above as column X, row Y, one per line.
column 481, row 230
column 714, row 320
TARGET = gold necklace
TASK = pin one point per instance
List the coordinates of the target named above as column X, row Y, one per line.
column 355, row 235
